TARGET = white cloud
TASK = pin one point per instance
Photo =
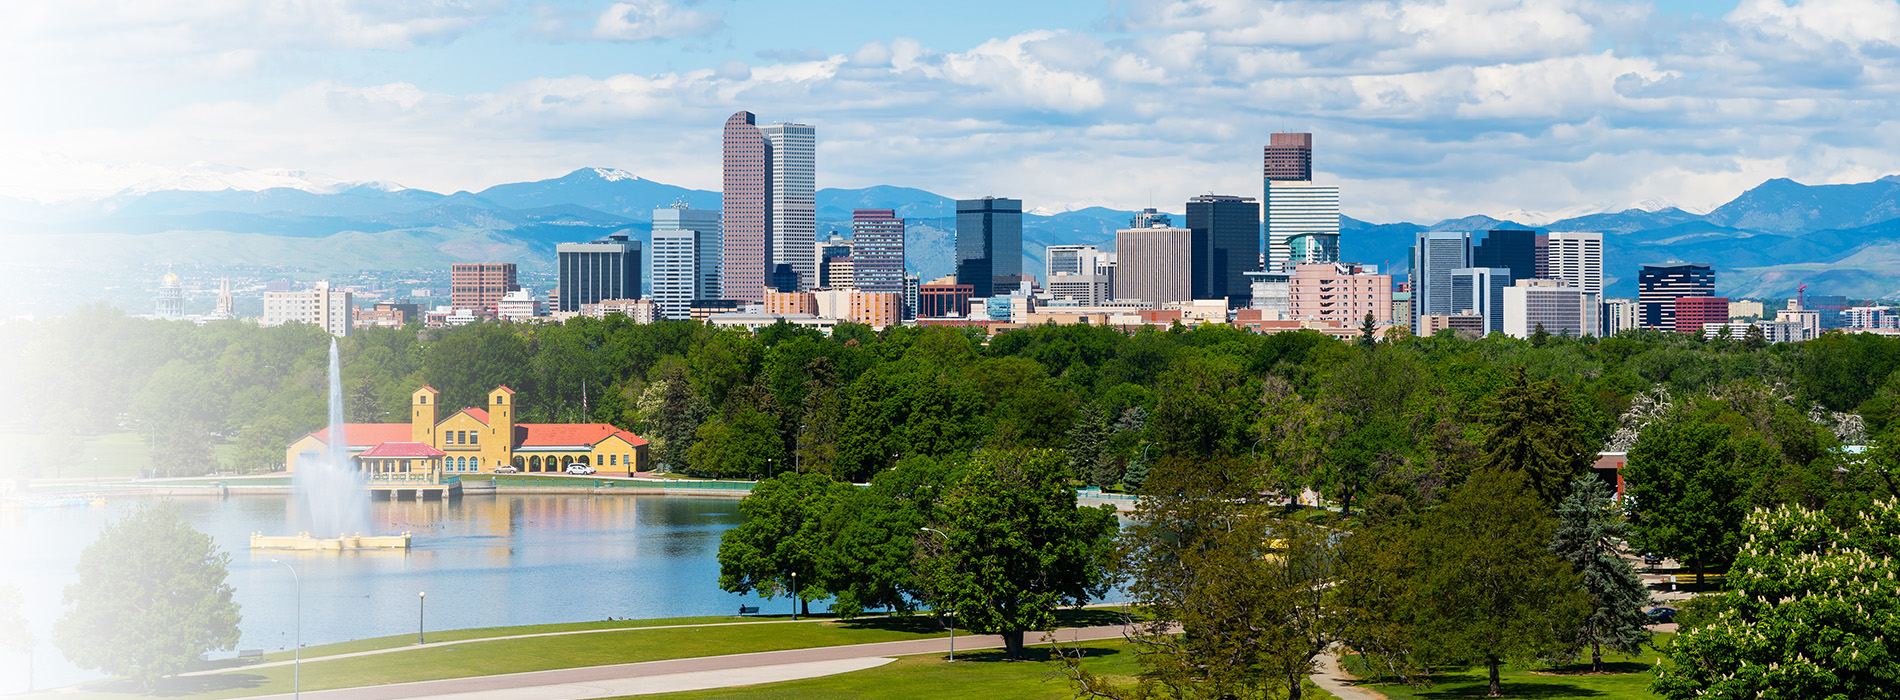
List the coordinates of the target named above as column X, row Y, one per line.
column 646, row 20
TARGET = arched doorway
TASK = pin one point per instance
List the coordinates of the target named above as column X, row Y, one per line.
column 521, row 464
column 534, row 463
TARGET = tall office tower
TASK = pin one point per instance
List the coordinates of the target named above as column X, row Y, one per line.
column 1154, row 264
column 791, row 202
column 1297, row 207
column 784, row 278
column 877, row 250
column 1226, row 246
column 1293, row 204
column 747, row 242
column 1543, row 256
column 686, row 251
column 912, row 288
column 1480, row 291
column 990, row 244
column 1510, row 249
column 480, row 286
column 607, row 268
column 1659, row 286
column 1434, row 256
column 1289, row 157
column 1150, row 217
column 1555, row 305
column 1577, row 257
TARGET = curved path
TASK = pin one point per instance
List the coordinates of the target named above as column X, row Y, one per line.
column 673, row 675
column 1341, row 684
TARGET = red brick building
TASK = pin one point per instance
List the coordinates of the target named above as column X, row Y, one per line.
column 1692, row 313
column 480, row 286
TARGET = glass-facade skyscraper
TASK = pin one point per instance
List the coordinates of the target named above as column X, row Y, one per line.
column 686, row 254
column 1434, row 256
column 1510, row 249
column 1226, row 245
column 608, row 268
column 990, row 244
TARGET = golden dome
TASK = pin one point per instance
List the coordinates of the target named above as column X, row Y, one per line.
column 170, row 279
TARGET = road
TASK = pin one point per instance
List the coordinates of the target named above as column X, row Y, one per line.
column 674, row 675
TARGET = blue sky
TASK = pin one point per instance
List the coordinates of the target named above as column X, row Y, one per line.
column 1423, row 109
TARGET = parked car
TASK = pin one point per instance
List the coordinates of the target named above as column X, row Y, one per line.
column 1652, row 559
column 507, row 469
column 579, row 469
column 1662, row 615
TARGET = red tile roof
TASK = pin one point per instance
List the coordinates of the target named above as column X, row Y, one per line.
column 403, row 449
column 504, row 387
column 368, row 433
column 477, row 413
column 569, row 434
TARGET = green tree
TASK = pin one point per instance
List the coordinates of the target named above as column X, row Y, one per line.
column 151, row 596
column 1090, row 459
column 1368, row 332
column 744, row 444
column 1688, row 479
column 15, row 636
column 1018, row 546
column 1590, row 532
column 1540, row 337
column 876, row 537
column 1489, row 588
column 671, row 412
column 1810, row 611
column 1532, row 429
column 783, row 539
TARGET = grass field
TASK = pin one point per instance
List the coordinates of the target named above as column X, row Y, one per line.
column 979, row 674
column 479, row 658
column 1624, row 678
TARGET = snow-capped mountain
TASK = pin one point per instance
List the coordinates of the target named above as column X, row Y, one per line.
column 212, row 177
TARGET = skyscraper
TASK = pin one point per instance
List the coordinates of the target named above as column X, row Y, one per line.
column 747, row 230
column 990, row 244
column 686, row 255
column 607, row 268
column 1510, row 249
column 1293, row 204
column 1577, row 257
column 1289, row 157
column 877, row 250
column 1154, row 264
column 1659, row 286
column 1226, row 246
column 791, row 200
column 1480, row 291
column 1434, row 256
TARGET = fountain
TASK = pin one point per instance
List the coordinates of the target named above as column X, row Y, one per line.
column 330, row 493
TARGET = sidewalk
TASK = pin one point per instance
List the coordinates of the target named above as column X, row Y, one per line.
column 674, row 675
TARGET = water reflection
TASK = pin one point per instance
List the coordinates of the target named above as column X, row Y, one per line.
column 484, row 561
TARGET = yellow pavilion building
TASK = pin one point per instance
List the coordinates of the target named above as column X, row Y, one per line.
column 479, row 440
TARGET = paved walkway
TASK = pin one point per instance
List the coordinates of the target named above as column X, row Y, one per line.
column 1337, row 682
column 672, row 675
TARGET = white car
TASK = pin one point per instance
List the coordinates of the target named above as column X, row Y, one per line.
column 579, row 469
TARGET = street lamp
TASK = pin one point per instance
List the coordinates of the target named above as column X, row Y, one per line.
column 953, row 614
column 421, row 597
column 794, row 595
column 296, row 652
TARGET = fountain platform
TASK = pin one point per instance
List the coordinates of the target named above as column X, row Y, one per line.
column 304, row 541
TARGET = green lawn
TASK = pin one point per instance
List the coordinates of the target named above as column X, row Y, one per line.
column 538, row 654
column 1624, row 677
column 977, row 674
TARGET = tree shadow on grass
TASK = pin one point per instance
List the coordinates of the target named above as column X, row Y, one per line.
column 1035, row 654
column 925, row 623
column 1609, row 668
column 1477, row 685
column 177, row 686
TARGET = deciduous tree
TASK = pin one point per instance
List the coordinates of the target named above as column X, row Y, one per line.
column 783, row 534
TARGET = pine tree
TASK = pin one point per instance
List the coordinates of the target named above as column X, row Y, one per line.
column 1368, row 336
column 1589, row 526
column 1532, row 429
column 1088, row 444
column 1540, row 337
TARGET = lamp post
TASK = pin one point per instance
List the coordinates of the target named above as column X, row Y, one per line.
column 296, row 652
column 421, row 597
column 794, row 595
column 953, row 614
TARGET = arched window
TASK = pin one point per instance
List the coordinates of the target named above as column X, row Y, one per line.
column 474, row 464
column 534, row 463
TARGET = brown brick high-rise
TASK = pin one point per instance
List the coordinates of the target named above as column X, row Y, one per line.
column 748, row 243
column 1289, row 157
column 480, row 285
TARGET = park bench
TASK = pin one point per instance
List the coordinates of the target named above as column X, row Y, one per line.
column 1690, row 580
column 248, row 654
column 748, row 610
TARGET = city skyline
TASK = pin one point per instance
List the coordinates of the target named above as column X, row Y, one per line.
column 1665, row 101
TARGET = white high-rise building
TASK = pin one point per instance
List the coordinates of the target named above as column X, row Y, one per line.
column 1621, row 315
column 1295, row 207
column 1577, row 257
column 686, row 258
column 1555, row 305
column 331, row 309
column 793, row 199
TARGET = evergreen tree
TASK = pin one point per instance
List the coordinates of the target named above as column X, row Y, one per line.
column 1533, row 430
column 1089, row 458
column 151, row 596
column 1368, row 333
column 1540, row 337
column 1590, row 529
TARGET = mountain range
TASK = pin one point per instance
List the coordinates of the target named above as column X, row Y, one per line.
column 1839, row 239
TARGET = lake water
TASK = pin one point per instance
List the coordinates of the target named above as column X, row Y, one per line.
column 483, row 560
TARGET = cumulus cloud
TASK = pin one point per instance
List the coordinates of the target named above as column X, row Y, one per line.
column 647, row 20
